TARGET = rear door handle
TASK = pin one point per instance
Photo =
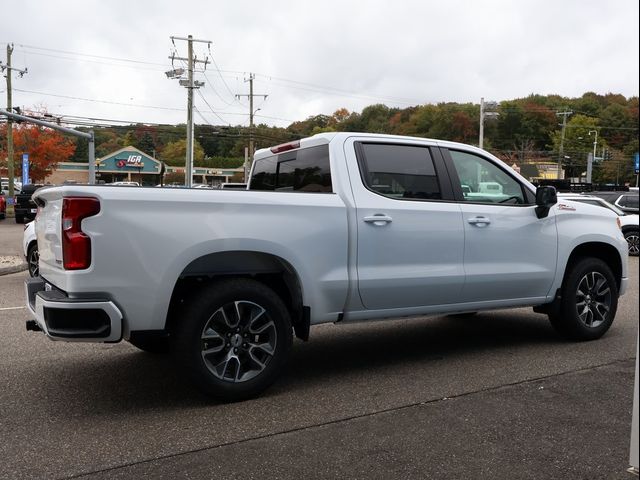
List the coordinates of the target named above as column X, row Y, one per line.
column 479, row 221
column 378, row 219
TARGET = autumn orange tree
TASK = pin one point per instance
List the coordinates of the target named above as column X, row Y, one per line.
column 46, row 147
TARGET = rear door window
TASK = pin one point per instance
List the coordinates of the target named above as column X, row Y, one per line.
column 399, row 171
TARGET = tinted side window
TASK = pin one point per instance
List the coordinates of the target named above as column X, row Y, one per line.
column 264, row 174
column 305, row 170
column 483, row 182
column 399, row 171
column 630, row 201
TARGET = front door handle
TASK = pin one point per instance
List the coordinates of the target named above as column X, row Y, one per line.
column 479, row 221
column 378, row 219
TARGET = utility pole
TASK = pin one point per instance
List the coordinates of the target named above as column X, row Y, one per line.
column 190, row 84
column 10, row 168
column 564, row 114
column 251, row 113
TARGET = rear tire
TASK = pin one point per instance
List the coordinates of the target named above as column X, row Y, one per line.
column 33, row 258
column 234, row 338
column 589, row 300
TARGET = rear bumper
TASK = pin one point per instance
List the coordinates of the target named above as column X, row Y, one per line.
column 72, row 320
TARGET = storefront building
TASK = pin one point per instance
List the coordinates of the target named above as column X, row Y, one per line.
column 132, row 165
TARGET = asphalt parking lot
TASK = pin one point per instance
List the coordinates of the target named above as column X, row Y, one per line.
column 498, row 395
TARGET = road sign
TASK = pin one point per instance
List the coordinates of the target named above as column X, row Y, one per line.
column 25, row 169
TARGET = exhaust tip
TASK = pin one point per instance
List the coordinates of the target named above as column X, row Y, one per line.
column 32, row 326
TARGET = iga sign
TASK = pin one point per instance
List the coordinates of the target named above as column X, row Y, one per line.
column 134, row 161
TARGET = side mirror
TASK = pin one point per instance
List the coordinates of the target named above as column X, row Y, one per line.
column 546, row 197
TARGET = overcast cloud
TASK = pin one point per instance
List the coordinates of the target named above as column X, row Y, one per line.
column 313, row 57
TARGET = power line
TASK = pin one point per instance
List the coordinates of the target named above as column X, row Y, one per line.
column 136, row 67
column 213, row 60
column 215, row 91
column 92, row 56
column 211, row 108
column 338, row 91
column 99, row 101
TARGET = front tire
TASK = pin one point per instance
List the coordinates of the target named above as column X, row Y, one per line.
column 631, row 236
column 234, row 339
column 589, row 301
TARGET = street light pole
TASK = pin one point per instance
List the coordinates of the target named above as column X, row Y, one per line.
column 481, row 139
column 595, row 142
column 561, row 151
column 591, row 158
column 487, row 109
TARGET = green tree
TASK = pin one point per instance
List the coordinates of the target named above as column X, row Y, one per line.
column 618, row 125
column 107, row 142
column 175, row 153
column 422, row 119
column 375, row 118
column 145, row 143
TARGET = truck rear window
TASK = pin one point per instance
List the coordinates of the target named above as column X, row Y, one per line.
column 304, row 170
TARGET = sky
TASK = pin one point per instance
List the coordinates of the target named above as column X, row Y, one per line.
column 106, row 59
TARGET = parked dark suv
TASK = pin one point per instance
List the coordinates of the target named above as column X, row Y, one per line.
column 625, row 201
column 25, row 208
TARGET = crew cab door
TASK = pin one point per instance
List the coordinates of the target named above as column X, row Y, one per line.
column 410, row 237
column 509, row 253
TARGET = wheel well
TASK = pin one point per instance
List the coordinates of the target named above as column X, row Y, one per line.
column 31, row 244
column 629, row 228
column 605, row 252
column 273, row 271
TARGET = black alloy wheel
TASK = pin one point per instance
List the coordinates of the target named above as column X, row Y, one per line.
column 33, row 257
column 589, row 301
column 632, row 239
column 234, row 338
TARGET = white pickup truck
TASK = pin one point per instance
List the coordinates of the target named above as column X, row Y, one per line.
column 339, row 227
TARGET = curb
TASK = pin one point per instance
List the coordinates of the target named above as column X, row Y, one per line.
column 13, row 269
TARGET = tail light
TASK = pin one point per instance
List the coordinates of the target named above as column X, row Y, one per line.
column 76, row 245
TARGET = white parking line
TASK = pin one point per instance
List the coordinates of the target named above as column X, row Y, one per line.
column 11, row 308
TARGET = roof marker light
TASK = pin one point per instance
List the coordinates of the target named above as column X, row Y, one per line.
column 285, row 147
